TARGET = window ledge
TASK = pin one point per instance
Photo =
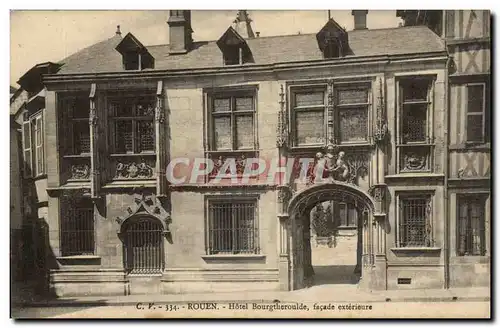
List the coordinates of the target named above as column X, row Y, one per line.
column 415, row 175
column 78, row 257
column 82, row 155
column 79, row 260
column 471, row 146
column 231, row 257
column 131, row 183
column 150, row 153
column 415, row 249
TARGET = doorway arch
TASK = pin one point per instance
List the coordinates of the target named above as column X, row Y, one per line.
column 298, row 210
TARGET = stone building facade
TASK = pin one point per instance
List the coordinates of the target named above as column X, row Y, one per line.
column 368, row 108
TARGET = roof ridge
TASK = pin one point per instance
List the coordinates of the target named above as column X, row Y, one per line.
column 302, row 34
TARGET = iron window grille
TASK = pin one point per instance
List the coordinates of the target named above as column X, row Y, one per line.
column 415, row 125
column 478, row 113
column 232, row 227
column 415, row 221
column 77, row 227
column 133, row 124
column 143, row 246
column 471, row 226
column 415, row 106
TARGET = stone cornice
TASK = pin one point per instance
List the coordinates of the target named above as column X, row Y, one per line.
column 268, row 68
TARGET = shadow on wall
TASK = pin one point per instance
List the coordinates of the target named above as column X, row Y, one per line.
column 31, row 280
column 335, row 274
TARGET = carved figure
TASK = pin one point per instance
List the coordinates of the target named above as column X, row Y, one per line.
column 240, row 164
column 321, row 165
column 80, row 171
column 341, row 167
column 145, row 170
column 133, row 170
column 121, row 170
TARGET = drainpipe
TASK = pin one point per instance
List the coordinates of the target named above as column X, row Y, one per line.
column 446, row 172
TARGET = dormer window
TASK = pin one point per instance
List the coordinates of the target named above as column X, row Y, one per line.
column 332, row 40
column 232, row 56
column 332, row 49
column 235, row 50
column 135, row 56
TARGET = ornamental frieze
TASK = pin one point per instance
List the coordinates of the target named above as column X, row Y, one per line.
column 134, row 170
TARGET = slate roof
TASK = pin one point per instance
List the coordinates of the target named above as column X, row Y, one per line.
column 103, row 57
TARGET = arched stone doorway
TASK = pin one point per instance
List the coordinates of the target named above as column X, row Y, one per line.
column 298, row 245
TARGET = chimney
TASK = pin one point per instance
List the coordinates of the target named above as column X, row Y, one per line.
column 180, row 31
column 360, row 19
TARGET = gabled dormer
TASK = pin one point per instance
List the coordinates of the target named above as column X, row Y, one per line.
column 332, row 40
column 135, row 55
column 234, row 48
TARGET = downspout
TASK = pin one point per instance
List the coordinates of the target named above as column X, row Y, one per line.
column 446, row 171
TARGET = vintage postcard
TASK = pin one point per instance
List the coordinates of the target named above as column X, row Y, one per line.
column 250, row 164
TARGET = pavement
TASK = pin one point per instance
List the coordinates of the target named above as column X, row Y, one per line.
column 324, row 293
column 333, row 279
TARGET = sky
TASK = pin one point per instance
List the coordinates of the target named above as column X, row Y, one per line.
column 40, row 36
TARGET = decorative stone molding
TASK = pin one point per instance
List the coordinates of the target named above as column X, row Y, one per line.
column 380, row 131
column 149, row 206
column 379, row 194
column 330, row 113
column 134, row 170
column 80, row 172
column 414, row 161
column 284, row 194
column 338, row 191
column 282, row 128
column 239, row 159
column 92, row 110
column 159, row 115
column 95, row 180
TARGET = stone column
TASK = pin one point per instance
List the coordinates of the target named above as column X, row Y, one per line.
column 331, row 133
column 53, row 170
column 378, row 191
column 284, row 238
column 160, row 140
column 283, row 195
column 95, row 181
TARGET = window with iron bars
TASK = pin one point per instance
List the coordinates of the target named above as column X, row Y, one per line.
column 77, row 227
column 232, row 227
column 415, row 134
column 415, row 225
column 471, row 226
column 143, row 246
